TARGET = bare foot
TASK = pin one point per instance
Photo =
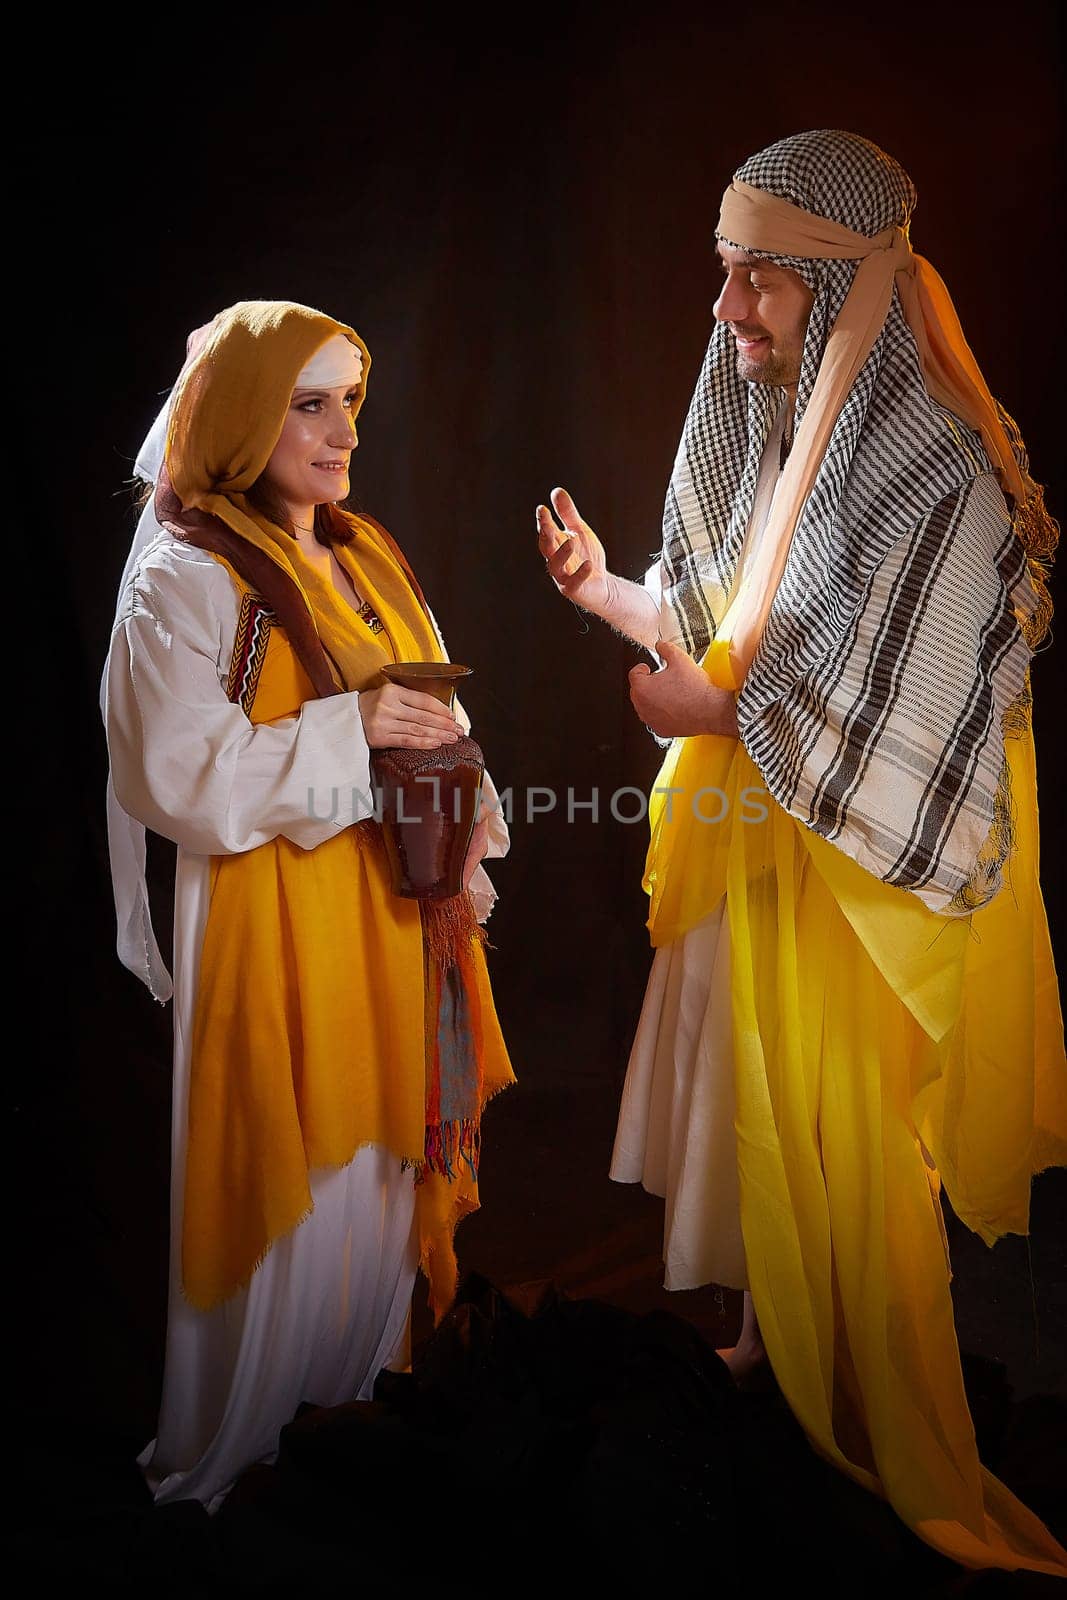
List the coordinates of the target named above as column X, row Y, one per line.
column 745, row 1358
column 748, row 1354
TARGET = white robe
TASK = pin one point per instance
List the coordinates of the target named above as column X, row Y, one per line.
column 675, row 1133
column 329, row 1306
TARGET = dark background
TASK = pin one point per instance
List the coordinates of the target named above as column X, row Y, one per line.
column 518, row 217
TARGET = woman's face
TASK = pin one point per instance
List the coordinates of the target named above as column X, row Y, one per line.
column 309, row 465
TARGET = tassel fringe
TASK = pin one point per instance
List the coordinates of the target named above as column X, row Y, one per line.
column 448, row 1144
column 449, row 928
column 1034, row 524
column 1039, row 531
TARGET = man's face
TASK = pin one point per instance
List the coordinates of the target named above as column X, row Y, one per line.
column 767, row 308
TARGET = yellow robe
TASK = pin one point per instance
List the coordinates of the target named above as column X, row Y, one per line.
column 879, row 1050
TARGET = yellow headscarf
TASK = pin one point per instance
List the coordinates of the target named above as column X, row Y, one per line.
column 230, row 401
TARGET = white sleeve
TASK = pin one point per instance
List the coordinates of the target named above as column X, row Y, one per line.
column 481, row 887
column 652, row 583
column 499, row 837
column 185, row 759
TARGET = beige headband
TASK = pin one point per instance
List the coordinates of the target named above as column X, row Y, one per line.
column 754, row 219
column 337, row 362
column 759, row 220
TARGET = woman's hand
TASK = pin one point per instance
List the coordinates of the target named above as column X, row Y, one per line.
column 574, row 556
column 397, row 717
column 679, row 700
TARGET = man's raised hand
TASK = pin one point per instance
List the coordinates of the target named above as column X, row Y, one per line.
column 574, row 556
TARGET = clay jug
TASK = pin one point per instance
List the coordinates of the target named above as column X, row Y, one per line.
column 429, row 798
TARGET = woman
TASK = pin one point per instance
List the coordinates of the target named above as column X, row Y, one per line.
column 334, row 1043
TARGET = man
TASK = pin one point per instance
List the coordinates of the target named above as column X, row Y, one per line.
column 846, row 1007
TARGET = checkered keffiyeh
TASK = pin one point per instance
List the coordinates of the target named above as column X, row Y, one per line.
column 895, row 655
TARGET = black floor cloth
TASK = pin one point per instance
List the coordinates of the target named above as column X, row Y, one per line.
column 538, row 1440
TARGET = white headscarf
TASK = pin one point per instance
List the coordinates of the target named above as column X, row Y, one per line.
column 136, row 940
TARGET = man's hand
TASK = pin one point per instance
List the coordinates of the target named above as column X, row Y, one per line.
column 574, row 556
column 396, row 717
column 679, row 700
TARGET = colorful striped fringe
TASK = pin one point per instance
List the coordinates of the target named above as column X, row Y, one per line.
column 448, row 1143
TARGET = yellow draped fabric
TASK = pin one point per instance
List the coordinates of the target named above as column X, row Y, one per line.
column 879, row 1050
column 309, row 1036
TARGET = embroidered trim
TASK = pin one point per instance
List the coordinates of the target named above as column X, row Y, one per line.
column 367, row 614
column 249, row 649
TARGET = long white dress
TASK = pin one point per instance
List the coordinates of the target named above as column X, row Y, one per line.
column 675, row 1133
column 329, row 1306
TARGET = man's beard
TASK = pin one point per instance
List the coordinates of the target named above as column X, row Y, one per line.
column 780, row 368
